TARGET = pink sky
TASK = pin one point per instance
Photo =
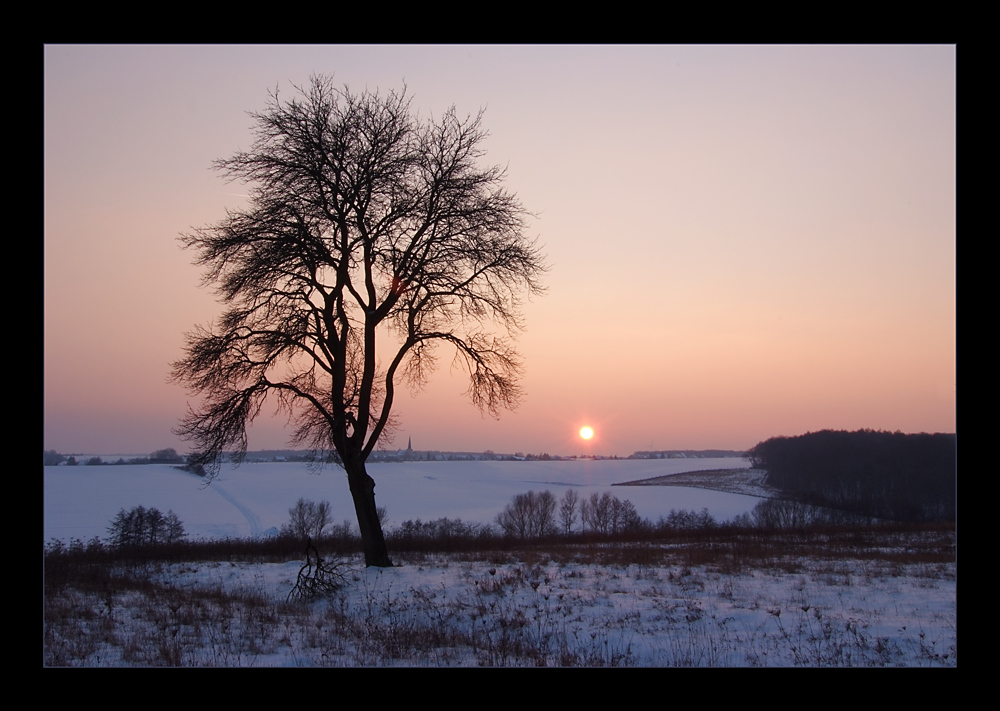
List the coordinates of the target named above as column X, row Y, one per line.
column 745, row 241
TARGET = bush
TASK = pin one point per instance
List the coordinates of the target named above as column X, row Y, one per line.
column 781, row 514
column 142, row 527
column 684, row 520
column 444, row 533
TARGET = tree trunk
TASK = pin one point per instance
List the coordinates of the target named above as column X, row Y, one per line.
column 363, row 492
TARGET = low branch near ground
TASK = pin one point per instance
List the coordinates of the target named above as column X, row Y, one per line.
column 317, row 577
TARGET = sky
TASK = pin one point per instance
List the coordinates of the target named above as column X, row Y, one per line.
column 744, row 241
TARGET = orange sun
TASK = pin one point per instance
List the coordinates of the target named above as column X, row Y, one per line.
column 586, row 432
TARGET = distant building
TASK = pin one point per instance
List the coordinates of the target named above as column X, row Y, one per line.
column 406, row 454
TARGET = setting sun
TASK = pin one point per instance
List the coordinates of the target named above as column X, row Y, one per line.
column 586, row 432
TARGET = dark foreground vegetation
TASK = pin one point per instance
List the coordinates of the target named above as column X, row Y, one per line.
column 731, row 546
column 907, row 477
column 611, row 531
column 696, row 595
column 573, row 582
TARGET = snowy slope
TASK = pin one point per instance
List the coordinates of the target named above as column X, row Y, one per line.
column 80, row 501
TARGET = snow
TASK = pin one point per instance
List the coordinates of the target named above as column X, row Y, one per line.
column 79, row 502
column 446, row 611
column 500, row 610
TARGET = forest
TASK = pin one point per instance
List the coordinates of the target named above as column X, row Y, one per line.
column 911, row 477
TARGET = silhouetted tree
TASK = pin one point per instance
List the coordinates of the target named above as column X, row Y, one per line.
column 608, row 514
column 362, row 221
column 529, row 515
column 140, row 526
column 596, row 512
column 567, row 510
column 307, row 519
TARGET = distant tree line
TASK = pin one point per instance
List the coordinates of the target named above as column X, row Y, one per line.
column 686, row 454
column 883, row 474
column 52, row 458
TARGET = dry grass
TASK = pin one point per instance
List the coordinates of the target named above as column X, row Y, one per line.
column 519, row 605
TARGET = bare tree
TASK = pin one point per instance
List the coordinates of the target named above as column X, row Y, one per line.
column 567, row 510
column 140, row 526
column 362, row 222
column 609, row 514
column 529, row 515
column 596, row 512
column 624, row 517
column 307, row 519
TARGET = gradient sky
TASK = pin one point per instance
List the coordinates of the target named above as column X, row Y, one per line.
column 745, row 241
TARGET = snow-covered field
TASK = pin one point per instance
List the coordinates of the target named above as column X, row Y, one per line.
column 80, row 501
column 447, row 611
column 649, row 606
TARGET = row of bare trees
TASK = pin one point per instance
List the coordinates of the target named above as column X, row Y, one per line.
column 140, row 526
column 533, row 515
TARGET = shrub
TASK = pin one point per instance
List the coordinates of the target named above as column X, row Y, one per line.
column 684, row 520
column 781, row 514
column 442, row 534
